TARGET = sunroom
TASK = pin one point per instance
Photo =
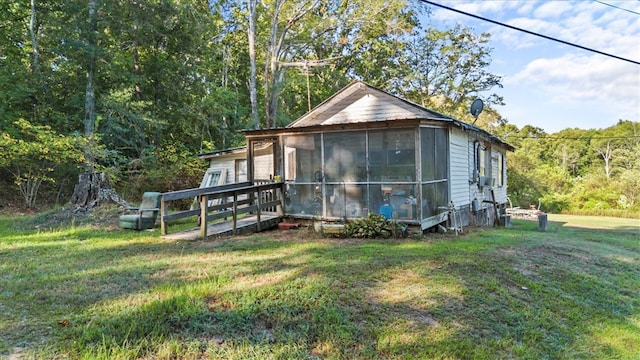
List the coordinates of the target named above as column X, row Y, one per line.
column 400, row 173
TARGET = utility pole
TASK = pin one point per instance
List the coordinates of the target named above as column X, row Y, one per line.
column 305, row 66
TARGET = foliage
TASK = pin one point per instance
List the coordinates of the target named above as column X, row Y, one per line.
column 33, row 153
column 82, row 292
column 167, row 80
column 374, row 226
column 446, row 70
column 354, row 37
column 157, row 171
column 574, row 170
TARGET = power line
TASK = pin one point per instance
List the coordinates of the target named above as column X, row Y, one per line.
column 531, row 32
column 616, row 7
column 573, row 138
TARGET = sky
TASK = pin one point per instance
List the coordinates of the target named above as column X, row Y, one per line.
column 551, row 85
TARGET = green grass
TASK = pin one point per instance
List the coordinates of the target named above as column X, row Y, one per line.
column 78, row 292
column 597, row 222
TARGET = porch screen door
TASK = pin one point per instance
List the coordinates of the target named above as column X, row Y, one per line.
column 263, row 159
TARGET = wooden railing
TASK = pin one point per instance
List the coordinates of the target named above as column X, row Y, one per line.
column 233, row 200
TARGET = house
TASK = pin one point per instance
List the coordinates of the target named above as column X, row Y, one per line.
column 230, row 166
column 365, row 151
column 225, row 167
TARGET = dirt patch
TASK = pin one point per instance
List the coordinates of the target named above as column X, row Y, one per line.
column 529, row 262
column 105, row 217
column 216, row 304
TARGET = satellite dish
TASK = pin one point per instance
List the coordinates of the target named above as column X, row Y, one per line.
column 476, row 108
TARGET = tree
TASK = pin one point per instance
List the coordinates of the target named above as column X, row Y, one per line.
column 31, row 153
column 313, row 30
column 251, row 34
column 446, row 70
column 615, row 146
column 89, row 97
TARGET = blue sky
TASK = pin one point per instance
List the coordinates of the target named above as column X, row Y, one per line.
column 551, row 85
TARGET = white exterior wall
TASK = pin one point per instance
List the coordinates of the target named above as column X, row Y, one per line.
column 459, row 168
column 461, row 171
column 228, row 163
column 484, row 193
column 475, row 192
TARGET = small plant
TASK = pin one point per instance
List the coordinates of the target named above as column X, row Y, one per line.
column 374, row 226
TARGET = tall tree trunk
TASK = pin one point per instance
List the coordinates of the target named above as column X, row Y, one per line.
column 274, row 74
column 89, row 99
column 34, row 39
column 606, row 156
column 136, row 60
column 253, row 93
column 271, row 64
column 92, row 188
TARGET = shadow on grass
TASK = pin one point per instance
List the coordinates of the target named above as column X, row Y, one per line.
column 505, row 293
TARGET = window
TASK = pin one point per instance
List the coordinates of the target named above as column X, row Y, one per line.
column 241, row 170
column 482, row 160
column 392, row 155
column 302, row 161
column 303, row 157
column 434, row 154
column 435, row 170
column 214, row 177
column 501, row 169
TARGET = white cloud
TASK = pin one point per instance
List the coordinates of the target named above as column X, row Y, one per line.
column 561, row 76
column 589, row 79
column 553, row 9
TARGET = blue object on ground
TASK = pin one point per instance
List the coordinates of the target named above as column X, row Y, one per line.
column 386, row 210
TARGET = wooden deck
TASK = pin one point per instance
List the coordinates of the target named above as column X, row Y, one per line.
column 247, row 224
column 225, row 209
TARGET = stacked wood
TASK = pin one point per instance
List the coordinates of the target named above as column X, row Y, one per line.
column 525, row 214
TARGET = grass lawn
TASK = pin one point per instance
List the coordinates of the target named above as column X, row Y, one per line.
column 596, row 222
column 81, row 292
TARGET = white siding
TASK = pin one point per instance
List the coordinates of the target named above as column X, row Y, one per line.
column 372, row 107
column 228, row 162
column 358, row 103
column 475, row 192
column 459, row 168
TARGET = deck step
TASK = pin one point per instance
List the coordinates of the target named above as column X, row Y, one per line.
column 288, row 226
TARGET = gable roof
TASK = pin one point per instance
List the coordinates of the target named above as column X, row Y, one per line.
column 359, row 103
column 223, row 153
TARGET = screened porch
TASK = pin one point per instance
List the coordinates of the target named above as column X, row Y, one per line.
column 401, row 173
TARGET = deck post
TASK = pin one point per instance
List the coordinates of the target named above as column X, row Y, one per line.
column 203, row 215
column 280, row 192
column 235, row 213
column 259, row 207
column 163, row 211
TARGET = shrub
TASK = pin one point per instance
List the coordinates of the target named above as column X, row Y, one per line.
column 374, row 226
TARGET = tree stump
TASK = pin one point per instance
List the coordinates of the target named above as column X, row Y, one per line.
column 93, row 189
